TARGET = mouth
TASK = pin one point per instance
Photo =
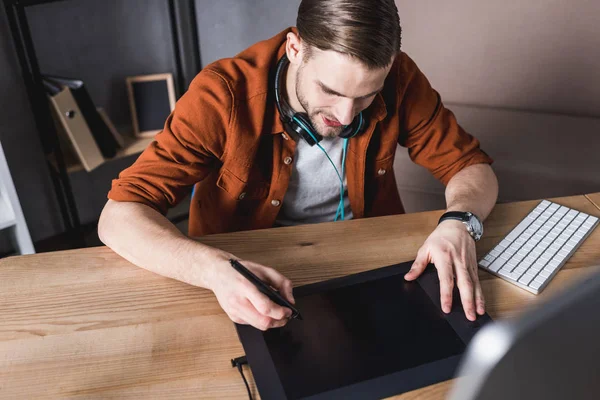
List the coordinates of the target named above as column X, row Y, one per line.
column 331, row 123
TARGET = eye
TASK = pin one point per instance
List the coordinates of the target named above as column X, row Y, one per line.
column 326, row 91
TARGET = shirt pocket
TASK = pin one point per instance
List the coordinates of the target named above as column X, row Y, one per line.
column 240, row 189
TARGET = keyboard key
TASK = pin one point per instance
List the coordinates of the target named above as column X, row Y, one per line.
column 587, row 224
column 525, row 279
column 535, row 285
column 520, row 269
column 563, row 253
column 496, row 265
column 550, row 268
column 510, row 275
column 536, row 267
column 544, row 273
column 518, row 229
column 539, row 279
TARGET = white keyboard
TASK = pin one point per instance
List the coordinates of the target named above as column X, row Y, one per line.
column 533, row 252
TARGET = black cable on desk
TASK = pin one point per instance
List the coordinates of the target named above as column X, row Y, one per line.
column 238, row 362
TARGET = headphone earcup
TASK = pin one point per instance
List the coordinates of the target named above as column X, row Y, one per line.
column 307, row 131
column 354, row 128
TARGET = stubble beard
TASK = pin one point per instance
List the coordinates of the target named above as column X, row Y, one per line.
column 315, row 116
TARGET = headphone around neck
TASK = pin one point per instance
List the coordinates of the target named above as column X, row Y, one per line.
column 298, row 124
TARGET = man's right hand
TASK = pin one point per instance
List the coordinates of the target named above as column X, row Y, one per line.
column 242, row 301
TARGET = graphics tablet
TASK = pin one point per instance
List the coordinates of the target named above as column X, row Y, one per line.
column 367, row 335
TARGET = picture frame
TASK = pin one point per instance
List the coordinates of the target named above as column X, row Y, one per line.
column 151, row 100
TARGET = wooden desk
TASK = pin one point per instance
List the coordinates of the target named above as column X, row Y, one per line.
column 88, row 324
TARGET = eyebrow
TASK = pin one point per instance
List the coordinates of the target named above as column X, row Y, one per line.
column 331, row 91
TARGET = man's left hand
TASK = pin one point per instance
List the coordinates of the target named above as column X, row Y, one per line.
column 452, row 250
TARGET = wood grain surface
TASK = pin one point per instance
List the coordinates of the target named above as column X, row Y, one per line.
column 88, row 324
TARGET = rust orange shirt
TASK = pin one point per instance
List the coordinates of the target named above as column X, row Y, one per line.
column 226, row 138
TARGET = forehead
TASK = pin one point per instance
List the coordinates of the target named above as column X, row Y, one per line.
column 344, row 73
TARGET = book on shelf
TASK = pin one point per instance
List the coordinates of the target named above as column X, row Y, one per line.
column 114, row 132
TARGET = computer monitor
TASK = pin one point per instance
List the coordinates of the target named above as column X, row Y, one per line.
column 550, row 352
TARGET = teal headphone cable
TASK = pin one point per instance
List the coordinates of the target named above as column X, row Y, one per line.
column 341, row 203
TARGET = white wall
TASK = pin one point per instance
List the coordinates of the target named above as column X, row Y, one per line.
column 536, row 54
column 524, row 78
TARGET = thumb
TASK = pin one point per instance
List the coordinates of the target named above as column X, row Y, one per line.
column 418, row 266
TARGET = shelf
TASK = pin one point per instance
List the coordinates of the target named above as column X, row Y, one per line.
column 132, row 146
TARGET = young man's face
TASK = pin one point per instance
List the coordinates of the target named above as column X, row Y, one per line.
column 333, row 88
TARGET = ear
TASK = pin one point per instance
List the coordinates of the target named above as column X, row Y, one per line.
column 294, row 48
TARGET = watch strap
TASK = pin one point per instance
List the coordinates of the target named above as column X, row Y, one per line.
column 458, row 215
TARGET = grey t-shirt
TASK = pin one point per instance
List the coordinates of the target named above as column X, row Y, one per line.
column 313, row 193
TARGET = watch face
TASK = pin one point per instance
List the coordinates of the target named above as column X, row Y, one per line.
column 476, row 227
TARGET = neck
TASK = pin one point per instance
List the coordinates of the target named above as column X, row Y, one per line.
column 290, row 88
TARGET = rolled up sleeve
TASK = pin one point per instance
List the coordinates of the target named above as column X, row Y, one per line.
column 430, row 131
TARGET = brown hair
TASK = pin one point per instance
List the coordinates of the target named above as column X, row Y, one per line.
column 366, row 29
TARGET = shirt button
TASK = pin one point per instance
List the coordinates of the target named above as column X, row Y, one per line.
column 275, row 203
column 242, row 195
column 287, row 160
column 381, row 172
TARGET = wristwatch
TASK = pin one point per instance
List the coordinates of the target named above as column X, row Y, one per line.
column 473, row 224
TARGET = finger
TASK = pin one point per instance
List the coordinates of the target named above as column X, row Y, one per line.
column 446, row 275
column 269, row 323
column 465, row 287
column 238, row 320
column 418, row 266
column 279, row 323
column 265, row 306
column 248, row 313
column 479, row 299
column 274, row 279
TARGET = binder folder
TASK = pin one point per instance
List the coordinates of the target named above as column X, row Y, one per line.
column 73, row 124
column 100, row 131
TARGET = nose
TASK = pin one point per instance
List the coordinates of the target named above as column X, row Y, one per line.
column 344, row 111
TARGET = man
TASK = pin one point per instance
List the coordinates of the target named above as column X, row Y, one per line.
column 256, row 162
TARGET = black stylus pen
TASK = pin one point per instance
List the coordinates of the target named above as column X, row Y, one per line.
column 264, row 288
